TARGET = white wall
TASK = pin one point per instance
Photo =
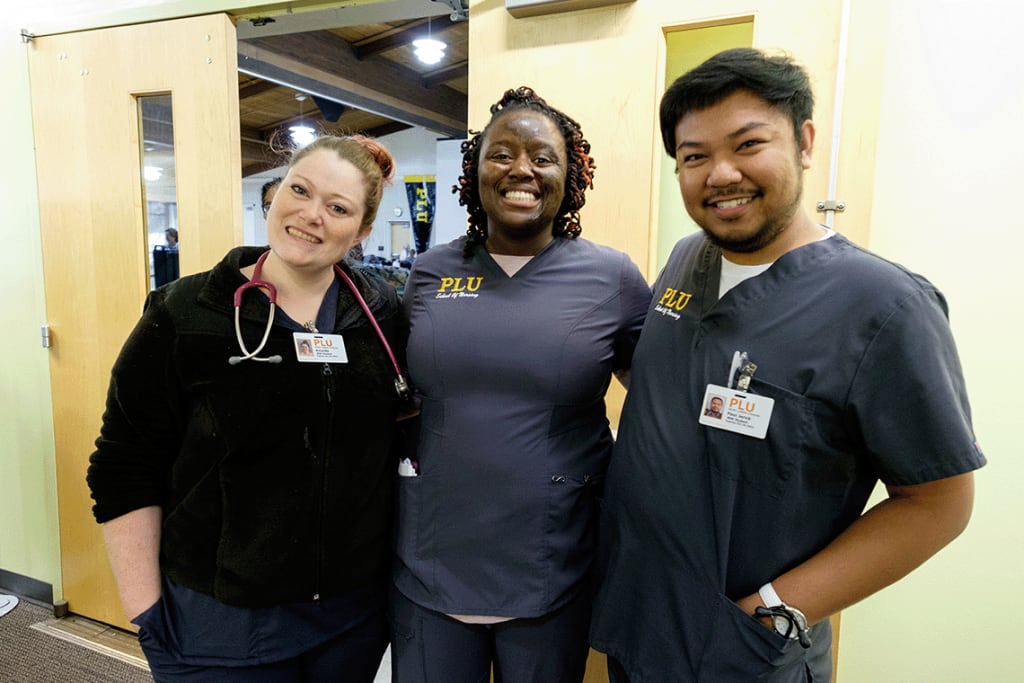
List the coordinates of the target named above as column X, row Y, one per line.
column 450, row 218
column 947, row 178
column 414, row 152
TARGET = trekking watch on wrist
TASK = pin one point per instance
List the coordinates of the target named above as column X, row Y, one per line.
column 788, row 622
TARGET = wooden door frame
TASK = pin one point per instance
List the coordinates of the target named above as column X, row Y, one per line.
column 84, row 89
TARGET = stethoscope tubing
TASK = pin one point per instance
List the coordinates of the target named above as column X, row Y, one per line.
column 272, row 295
column 401, row 386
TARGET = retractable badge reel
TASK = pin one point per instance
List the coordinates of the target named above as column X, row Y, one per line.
column 731, row 407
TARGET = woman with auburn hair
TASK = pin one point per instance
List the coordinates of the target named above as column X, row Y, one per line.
column 245, row 488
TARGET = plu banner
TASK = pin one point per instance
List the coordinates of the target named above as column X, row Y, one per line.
column 421, row 192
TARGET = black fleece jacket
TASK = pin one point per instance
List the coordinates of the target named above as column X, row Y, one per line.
column 275, row 480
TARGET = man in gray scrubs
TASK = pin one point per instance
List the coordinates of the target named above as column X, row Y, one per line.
column 729, row 540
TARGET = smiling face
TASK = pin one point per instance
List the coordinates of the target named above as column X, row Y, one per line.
column 316, row 216
column 522, row 173
column 741, row 176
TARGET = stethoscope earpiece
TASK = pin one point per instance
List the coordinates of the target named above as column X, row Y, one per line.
column 235, row 360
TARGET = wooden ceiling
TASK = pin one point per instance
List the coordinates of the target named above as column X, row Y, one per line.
column 355, row 79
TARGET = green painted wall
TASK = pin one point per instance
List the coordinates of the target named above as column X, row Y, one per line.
column 28, row 501
column 685, row 50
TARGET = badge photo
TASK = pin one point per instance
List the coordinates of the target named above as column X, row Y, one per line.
column 319, row 348
column 736, row 411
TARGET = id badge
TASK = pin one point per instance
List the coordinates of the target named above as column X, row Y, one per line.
column 736, row 411
column 319, row 348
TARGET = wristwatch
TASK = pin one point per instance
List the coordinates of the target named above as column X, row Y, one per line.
column 788, row 622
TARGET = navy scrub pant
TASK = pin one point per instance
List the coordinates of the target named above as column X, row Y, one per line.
column 352, row 657
column 430, row 647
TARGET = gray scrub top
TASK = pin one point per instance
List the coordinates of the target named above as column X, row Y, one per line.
column 858, row 356
column 514, row 441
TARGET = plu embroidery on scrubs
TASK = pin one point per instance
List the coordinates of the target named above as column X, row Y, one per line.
column 733, row 409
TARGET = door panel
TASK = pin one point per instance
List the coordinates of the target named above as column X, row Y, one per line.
column 95, row 252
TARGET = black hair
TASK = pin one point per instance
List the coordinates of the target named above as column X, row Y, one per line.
column 777, row 79
column 579, row 173
column 268, row 186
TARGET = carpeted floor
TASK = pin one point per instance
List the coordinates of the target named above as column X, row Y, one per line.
column 36, row 648
column 33, row 651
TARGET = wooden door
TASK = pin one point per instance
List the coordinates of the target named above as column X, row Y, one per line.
column 87, row 125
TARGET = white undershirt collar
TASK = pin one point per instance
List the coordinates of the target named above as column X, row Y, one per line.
column 734, row 273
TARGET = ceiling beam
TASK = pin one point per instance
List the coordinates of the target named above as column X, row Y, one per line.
column 351, row 13
column 255, row 88
column 449, row 73
column 322, row 63
column 390, row 39
column 260, row 152
column 386, row 129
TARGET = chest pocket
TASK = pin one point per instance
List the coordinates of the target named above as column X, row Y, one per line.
column 768, row 465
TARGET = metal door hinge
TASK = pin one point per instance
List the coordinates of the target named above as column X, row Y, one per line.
column 27, row 37
column 832, row 205
column 44, row 334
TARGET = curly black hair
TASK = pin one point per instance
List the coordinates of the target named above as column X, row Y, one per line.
column 579, row 168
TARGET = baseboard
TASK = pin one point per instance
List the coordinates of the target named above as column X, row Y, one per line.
column 26, row 587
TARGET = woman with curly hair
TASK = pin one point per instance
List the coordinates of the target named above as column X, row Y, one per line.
column 515, row 331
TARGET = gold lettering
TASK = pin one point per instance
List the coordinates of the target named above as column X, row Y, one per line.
column 673, row 298
column 682, row 299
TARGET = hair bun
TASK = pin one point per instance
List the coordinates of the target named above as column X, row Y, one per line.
column 380, row 155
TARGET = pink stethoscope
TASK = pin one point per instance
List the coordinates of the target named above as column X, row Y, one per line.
column 401, row 386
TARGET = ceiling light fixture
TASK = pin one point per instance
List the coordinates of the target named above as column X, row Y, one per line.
column 300, row 133
column 428, row 50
